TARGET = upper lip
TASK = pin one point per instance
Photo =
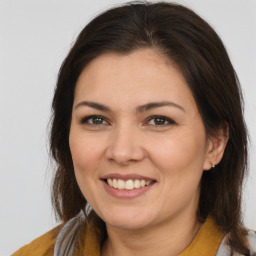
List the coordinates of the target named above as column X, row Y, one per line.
column 131, row 176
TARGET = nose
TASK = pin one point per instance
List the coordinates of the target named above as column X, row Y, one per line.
column 125, row 146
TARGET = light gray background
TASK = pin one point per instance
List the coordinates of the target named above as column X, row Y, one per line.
column 35, row 36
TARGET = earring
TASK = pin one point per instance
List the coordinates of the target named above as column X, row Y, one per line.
column 213, row 165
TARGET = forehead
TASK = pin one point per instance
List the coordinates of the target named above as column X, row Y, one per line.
column 143, row 74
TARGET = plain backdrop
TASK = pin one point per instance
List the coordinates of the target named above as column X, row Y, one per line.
column 35, row 36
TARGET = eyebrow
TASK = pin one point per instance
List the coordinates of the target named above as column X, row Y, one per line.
column 93, row 105
column 152, row 105
column 139, row 109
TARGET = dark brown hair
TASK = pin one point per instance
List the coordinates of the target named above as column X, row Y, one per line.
column 197, row 50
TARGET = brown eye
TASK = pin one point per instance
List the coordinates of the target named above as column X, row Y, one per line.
column 160, row 121
column 97, row 120
column 94, row 120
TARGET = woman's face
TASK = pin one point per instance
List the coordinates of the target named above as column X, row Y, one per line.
column 137, row 140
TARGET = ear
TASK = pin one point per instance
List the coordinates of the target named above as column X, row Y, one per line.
column 215, row 147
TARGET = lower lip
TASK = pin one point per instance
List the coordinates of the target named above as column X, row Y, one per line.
column 127, row 194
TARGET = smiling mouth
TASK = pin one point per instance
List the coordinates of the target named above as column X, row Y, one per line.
column 128, row 184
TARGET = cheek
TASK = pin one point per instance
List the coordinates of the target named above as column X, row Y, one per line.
column 85, row 152
column 86, row 155
column 178, row 152
column 179, row 162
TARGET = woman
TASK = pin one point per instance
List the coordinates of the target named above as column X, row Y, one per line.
column 149, row 138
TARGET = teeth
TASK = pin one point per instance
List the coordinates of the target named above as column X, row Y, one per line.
column 137, row 184
column 127, row 185
column 110, row 182
column 114, row 182
column 121, row 184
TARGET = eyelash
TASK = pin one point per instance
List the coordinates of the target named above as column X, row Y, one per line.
column 165, row 119
column 85, row 120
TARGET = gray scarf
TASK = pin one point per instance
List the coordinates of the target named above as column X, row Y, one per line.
column 65, row 241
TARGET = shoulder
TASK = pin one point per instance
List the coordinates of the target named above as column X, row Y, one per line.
column 41, row 246
column 225, row 249
column 251, row 238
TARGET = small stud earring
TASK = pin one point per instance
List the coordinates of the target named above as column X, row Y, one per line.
column 213, row 165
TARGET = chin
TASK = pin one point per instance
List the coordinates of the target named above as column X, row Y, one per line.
column 127, row 220
column 127, row 225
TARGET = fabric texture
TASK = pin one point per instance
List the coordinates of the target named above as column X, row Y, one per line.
column 41, row 246
column 89, row 234
column 65, row 241
column 225, row 250
column 206, row 242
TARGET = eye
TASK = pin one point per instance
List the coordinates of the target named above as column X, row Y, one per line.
column 94, row 120
column 160, row 121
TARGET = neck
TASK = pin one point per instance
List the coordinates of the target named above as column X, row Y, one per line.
column 164, row 239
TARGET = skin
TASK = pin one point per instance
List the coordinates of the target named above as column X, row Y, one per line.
column 162, row 221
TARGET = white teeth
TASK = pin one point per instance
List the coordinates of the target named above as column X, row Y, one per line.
column 137, row 184
column 114, row 182
column 110, row 183
column 121, row 184
column 127, row 185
